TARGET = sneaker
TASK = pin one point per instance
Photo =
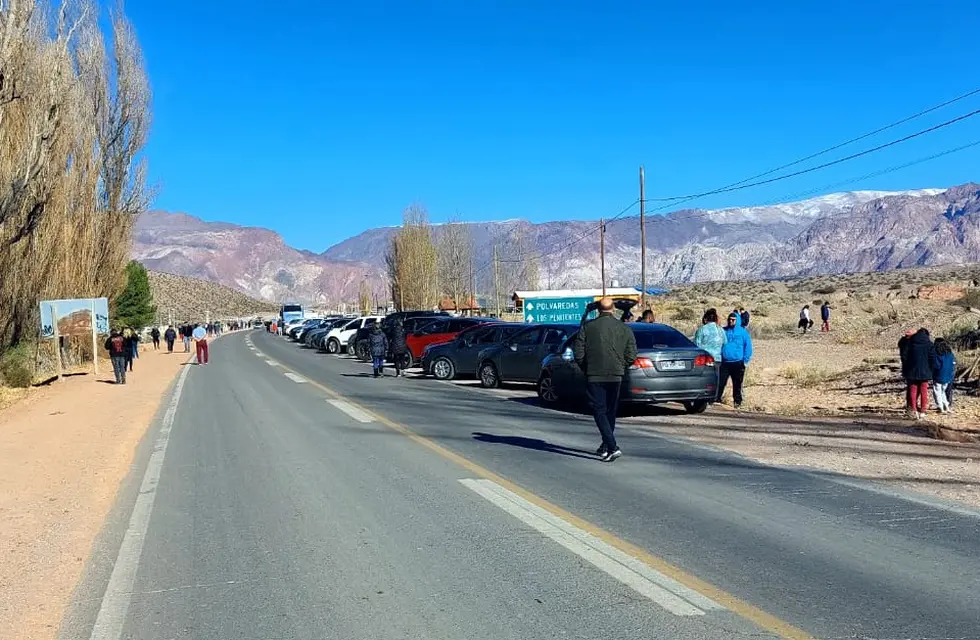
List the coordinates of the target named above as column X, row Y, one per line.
column 920, row 416
column 738, row 405
column 601, row 451
column 610, row 457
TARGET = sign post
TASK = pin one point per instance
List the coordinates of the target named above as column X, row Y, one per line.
column 538, row 310
column 57, row 338
column 95, row 340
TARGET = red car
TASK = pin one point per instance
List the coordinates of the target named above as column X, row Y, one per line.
column 444, row 330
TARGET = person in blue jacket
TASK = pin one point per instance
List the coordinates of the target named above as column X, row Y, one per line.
column 735, row 356
column 943, row 372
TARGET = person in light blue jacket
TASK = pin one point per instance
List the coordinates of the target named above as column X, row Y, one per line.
column 710, row 336
column 735, row 356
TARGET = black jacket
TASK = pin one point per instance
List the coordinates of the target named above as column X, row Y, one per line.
column 916, row 351
column 398, row 344
column 170, row 335
column 378, row 344
column 117, row 346
column 605, row 349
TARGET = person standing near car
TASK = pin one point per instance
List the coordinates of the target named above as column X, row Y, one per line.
column 378, row 345
column 605, row 349
column 399, row 346
column 735, row 356
column 710, row 336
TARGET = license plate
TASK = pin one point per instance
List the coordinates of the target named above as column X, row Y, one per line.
column 672, row 365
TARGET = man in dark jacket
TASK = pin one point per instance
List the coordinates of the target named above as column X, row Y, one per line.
column 916, row 352
column 378, row 345
column 170, row 336
column 825, row 316
column 155, row 336
column 117, row 347
column 743, row 315
column 398, row 345
column 605, row 349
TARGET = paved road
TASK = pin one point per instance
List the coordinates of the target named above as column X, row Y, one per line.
column 299, row 498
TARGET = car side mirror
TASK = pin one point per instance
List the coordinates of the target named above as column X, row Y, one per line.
column 512, row 347
column 568, row 355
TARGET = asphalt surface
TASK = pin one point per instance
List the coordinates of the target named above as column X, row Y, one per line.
column 279, row 515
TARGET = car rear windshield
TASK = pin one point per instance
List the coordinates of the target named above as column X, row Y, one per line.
column 661, row 338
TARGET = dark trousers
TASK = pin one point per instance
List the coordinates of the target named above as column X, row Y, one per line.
column 170, row 346
column 604, row 400
column 119, row 368
column 396, row 359
column 735, row 371
column 156, row 343
column 128, row 361
column 202, row 352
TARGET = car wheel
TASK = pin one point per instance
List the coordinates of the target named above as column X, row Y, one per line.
column 489, row 379
column 546, row 390
column 696, row 407
column 333, row 346
column 362, row 352
column 443, row 369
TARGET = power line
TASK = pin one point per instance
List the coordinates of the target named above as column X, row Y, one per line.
column 853, row 156
column 846, row 142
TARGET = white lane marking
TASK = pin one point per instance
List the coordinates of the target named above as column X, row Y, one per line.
column 661, row 589
column 261, row 355
column 272, row 363
column 295, row 377
column 118, row 594
column 355, row 412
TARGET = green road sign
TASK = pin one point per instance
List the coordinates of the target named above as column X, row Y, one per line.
column 555, row 309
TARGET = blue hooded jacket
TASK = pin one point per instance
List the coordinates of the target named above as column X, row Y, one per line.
column 943, row 367
column 738, row 347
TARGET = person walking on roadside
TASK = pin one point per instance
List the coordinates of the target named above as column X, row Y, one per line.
column 115, row 344
column 399, row 347
column 825, row 316
column 200, row 335
column 155, row 336
column 735, row 356
column 185, row 334
column 710, row 336
column 170, row 336
column 916, row 353
column 805, row 322
column 943, row 372
column 127, row 335
column 605, row 349
column 378, row 345
column 136, row 346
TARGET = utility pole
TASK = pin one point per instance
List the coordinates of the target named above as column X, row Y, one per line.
column 602, row 253
column 469, row 303
column 643, row 241
column 496, row 280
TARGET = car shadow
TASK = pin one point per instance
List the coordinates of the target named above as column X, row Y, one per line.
column 534, row 444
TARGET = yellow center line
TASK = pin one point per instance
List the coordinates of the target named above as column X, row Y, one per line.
column 737, row 606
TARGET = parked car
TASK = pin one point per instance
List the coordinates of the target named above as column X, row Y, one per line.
column 459, row 358
column 519, row 357
column 412, row 321
column 317, row 328
column 438, row 332
column 336, row 340
column 303, row 334
column 316, row 338
column 668, row 368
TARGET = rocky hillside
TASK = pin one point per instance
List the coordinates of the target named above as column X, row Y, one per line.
column 837, row 233
column 181, row 298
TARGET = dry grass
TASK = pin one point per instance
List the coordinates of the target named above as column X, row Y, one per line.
column 9, row 396
column 190, row 300
column 808, row 376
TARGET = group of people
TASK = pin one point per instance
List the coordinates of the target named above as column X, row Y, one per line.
column 730, row 346
column 806, row 323
column 123, row 345
column 381, row 345
column 926, row 363
column 123, row 348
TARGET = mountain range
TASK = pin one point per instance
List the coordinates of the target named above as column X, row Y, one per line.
column 837, row 233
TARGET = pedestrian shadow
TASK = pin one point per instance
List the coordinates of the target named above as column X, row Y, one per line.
column 533, row 444
column 358, row 375
column 108, row 382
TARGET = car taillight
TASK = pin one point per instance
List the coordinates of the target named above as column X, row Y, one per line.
column 704, row 361
column 642, row 363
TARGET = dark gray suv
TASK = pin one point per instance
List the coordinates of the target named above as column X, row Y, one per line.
column 518, row 358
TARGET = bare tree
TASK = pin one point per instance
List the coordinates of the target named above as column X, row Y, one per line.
column 412, row 262
column 455, row 258
column 73, row 121
column 519, row 260
column 364, row 298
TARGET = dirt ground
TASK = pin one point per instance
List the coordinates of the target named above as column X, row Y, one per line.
column 65, row 448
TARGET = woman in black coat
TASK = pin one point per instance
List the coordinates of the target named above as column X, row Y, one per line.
column 399, row 347
column 916, row 352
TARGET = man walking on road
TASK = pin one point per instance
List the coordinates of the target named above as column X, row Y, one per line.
column 116, row 345
column 735, row 356
column 155, row 336
column 170, row 336
column 378, row 344
column 185, row 335
column 605, row 349
column 200, row 335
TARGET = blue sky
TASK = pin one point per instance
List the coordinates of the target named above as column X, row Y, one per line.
column 322, row 119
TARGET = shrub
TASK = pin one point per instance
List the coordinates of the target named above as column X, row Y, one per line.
column 825, row 291
column 895, row 287
column 807, row 376
column 17, row 366
column 686, row 314
column 971, row 298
